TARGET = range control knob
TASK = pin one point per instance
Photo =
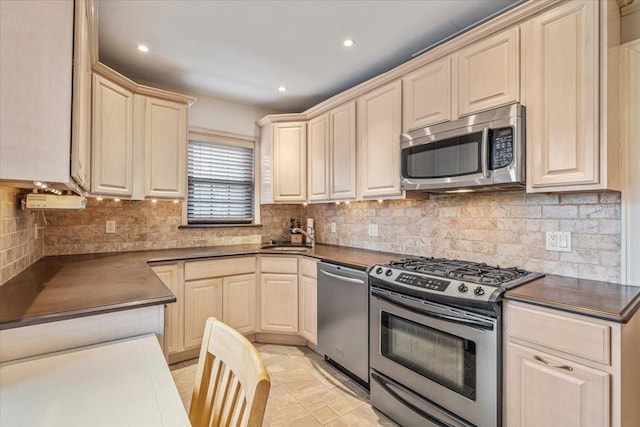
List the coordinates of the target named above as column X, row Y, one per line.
column 478, row 291
column 379, row 270
column 389, row 272
column 463, row 287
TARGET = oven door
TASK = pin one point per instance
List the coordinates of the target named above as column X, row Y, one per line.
column 446, row 355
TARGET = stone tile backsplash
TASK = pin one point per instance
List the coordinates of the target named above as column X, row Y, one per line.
column 144, row 225
column 507, row 229
column 497, row 228
column 19, row 245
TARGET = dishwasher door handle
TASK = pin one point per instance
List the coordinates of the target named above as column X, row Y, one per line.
column 342, row 278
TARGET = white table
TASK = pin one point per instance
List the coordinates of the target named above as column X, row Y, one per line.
column 119, row 383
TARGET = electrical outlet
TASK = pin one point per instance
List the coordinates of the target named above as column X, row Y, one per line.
column 559, row 241
column 373, row 230
column 110, row 227
column 35, row 229
column 333, row 227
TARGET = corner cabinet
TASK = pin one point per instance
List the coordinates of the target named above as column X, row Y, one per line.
column 379, row 125
column 571, row 93
column 283, row 165
column 164, row 136
column 112, row 160
column 139, row 139
column 563, row 369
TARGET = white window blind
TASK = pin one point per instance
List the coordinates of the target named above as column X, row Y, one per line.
column 221, row 183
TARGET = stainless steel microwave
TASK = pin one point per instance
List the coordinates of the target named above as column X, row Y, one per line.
column 482, row 151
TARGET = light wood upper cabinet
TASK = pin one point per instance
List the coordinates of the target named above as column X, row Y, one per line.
column 202, row 299
column 112, row 161
column 426, row 95
column 81, row 107
column 290, row 162
column 570, row 88
column 379, row 125
column 550, row 391
column 318, row 158
column 332, row 154
column 165, row 147
column 489, row 73
column 36, row 55
column 239, row 302
column 342, row 127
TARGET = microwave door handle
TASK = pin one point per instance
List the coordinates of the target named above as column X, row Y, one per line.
column 485, row 153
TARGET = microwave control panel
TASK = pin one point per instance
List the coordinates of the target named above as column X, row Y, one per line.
column 501, row 147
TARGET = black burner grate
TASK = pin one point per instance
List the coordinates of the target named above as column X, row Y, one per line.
column 461, row 270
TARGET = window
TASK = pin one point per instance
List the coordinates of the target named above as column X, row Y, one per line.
column 221, row 184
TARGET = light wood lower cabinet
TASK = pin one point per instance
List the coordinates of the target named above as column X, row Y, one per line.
column 202, row 299
column 309, row 299
column 563, row 369
column 171, row 276
column 239, row 302
column 552, row 391
column 279, row 303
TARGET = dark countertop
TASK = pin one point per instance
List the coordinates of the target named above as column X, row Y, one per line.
column 601, row 300
column 70, row 286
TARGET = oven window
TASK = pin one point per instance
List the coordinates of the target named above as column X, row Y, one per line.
column 444, row 358
column 442, row 159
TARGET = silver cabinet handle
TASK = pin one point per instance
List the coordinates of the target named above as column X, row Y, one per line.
column 565, row 367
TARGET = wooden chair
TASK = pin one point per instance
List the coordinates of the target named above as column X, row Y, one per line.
column 232, row 384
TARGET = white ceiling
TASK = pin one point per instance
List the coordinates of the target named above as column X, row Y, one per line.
column 242, row 50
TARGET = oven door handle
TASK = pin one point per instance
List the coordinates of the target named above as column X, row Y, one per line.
column 426, row 312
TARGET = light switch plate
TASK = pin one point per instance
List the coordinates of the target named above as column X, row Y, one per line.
column 559, row 241
column 373, row 230
column 333, row 227
column 110, row 227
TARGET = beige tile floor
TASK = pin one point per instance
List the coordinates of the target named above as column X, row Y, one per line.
column 305, row 391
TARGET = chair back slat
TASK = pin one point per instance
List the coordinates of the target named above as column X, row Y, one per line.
column 232, row 384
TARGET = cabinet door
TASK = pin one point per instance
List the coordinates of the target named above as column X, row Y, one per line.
column 239, row 302
column 290, row 162
column 36, row 53
column 489, row 73
column 165, row 148
column 202, row 299
column 279, row 303
column 542, row 391
column 426, row 95
column 318, row 161
column 309, row 308
column 379, row 122
column 169, row 274
column 112, row 164
column 343, row 151
column 81, row 123
column 561, row 92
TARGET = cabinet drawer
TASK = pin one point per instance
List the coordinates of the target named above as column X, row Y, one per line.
column 308, row 267
column 219, row 267
column 582, row 338
column 274, row 264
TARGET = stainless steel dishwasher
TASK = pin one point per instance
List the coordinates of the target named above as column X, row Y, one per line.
column 343, row 318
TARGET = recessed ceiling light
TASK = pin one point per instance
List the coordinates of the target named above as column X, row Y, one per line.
column 282, row 88
column 348, row 43
column 143, row 48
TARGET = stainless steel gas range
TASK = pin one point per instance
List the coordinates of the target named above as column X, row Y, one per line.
column 435, row 340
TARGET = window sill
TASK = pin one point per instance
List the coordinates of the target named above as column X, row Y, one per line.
column 217, row 225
